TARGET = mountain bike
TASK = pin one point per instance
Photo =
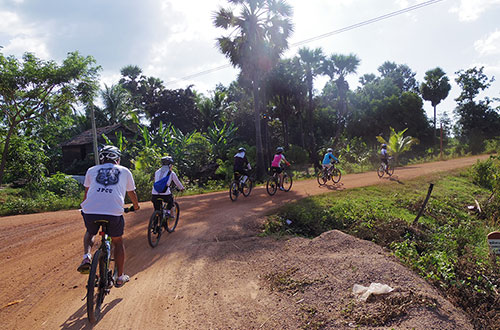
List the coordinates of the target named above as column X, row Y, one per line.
column 331, row 173
column 160, row 220
column 389, row 169
column 237, row 186
column 273, row 181
column 101, row 277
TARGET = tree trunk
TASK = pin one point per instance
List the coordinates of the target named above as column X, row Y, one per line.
column 258, row 132
column 5, row 152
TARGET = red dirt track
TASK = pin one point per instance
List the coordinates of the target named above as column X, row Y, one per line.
column 209, row 273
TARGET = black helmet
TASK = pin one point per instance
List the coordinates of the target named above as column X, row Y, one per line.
column 241, row 149
column 167, row 160
column 384, row 145
column 109, row 153
column 279, row 150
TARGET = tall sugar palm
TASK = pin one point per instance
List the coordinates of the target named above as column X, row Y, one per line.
column 337, row 67
column 257, row 38
column 311, row 61
column 435, row 88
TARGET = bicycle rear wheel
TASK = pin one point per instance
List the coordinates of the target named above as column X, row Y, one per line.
column 287, row 182
column 233, row 191
column 336, row 175
column 95, row 287
column 322, row 178
column 174, row 219
column 272, row 185
column 380, row 171
column 154, row 229
column 247, row 187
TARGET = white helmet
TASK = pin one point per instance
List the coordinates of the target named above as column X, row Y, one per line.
column 109, row 153
column 167, row 160
column 329, row 150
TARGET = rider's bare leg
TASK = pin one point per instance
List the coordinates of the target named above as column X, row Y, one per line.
column 119, row 249
column 88, row 242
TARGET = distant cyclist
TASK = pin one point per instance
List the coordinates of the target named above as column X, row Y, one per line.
column 167, row 163
column 384, row 156
column 276, row 167
column 241, row 165
column 105, row 188
column 329, row 159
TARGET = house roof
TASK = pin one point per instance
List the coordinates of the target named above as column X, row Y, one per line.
column 86, row 137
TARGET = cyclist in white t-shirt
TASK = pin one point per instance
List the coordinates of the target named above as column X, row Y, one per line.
column 105, row 188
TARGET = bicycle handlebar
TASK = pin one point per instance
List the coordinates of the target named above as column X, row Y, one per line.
column 129, row 209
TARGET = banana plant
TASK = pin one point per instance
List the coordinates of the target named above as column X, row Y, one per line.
column 221, row 139
column 398, row 143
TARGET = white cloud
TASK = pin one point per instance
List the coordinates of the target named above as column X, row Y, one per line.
column 489, row 45
column 470, row 10
column 21, row 37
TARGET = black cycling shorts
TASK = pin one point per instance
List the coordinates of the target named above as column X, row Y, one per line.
column 116, row 224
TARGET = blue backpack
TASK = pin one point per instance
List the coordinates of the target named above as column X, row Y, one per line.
column 161, row 185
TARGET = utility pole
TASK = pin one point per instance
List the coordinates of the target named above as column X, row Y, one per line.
column 94, row 133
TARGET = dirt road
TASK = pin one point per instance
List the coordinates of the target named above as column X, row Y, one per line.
column 210, row 273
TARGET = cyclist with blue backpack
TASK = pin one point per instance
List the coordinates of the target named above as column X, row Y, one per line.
column 161, row 189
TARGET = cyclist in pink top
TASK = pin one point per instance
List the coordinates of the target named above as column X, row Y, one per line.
column 276, row 164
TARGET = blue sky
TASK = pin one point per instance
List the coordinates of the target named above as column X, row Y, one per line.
column 172, row 39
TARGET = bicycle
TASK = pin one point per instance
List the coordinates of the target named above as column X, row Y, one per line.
column 274, row 180
column 101, row 277
column 389, row 169
column 161, row 220
column 236, row 187
column 331, row 173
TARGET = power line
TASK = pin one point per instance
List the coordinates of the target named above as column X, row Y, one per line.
column 321, row 36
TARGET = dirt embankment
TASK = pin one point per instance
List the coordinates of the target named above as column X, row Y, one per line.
column 213, row 272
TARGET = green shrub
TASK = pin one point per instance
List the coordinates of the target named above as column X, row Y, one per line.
column 143, row 185
column 297, row 155
column 485, row 173
column 63, row 185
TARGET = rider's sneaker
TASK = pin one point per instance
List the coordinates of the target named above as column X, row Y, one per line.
column 84, row 267
column 282, row 189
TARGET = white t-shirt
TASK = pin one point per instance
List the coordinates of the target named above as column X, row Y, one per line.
column 108, row 184
column 160, row 174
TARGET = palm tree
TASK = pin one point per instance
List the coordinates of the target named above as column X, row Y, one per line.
column 116, row 101
column 256, row 40
column 435, row 88
column 311, row 61
column 337, row 67
column 398, row 143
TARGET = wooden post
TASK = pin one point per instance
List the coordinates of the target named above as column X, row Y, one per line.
column 441, row 142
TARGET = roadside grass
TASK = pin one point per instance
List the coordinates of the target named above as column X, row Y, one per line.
column 447, row 246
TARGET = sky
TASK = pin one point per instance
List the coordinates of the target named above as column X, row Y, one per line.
column 175, row 40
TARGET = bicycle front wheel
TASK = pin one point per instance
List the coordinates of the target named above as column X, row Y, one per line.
column 287, row 182
column 247, row 187
column 390, row 169
column 272, row 185
column 154, row 229
column 322, row 178
column 336, row 175
column 233, row 191
column 380, row 171
column 96, row 287
column 174, row 217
